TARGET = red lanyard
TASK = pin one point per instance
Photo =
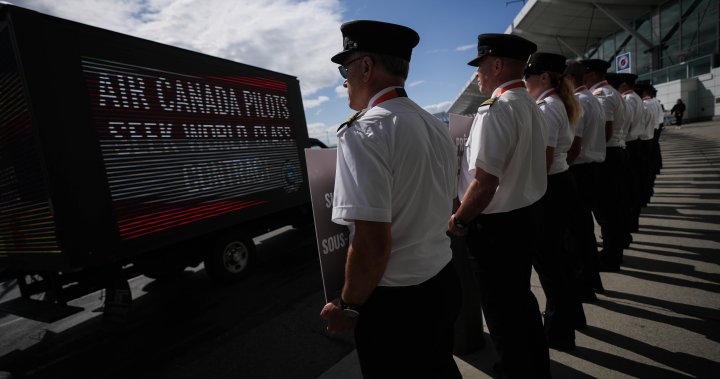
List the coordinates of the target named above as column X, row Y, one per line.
column 509, row 87
column 396, row 92
column 580, row 89
column 550, row 93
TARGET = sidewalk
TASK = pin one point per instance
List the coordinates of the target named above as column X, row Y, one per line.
column 660, row 315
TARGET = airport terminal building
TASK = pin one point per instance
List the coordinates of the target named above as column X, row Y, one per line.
column 675, row 44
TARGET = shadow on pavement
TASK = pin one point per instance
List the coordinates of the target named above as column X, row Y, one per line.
column 709, row 314
column 709, row 329
column 697, row 367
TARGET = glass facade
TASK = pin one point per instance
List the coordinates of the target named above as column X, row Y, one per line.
column 687, row 32
column 643, row 57
column 669, row 27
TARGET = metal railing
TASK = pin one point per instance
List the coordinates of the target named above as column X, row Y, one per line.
column 689, row 69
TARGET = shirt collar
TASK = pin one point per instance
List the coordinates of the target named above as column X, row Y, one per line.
column 503, row 87
column 549, row 92
column 377, row 95
column 599, row 84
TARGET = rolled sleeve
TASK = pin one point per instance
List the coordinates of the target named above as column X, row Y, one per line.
column 608, row 106
column 491, row 151
column 363, row 178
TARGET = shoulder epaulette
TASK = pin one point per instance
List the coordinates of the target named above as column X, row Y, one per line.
column 489, row 102
column 349, row 121
column 540, row 102
column 597, row 92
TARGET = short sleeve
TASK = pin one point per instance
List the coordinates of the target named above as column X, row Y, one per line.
column 363, row 178
column 607, row 105
column 580, row 125
column 492, row 142
column 554, row 122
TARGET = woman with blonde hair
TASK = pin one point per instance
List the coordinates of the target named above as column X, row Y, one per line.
column 553, row 261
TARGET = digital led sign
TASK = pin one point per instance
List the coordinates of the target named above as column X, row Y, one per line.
column 178, row 148
column 26, row 219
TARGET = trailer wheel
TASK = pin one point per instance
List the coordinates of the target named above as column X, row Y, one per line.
column 231, row 259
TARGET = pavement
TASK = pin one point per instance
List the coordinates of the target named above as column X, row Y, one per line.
column 660, row 314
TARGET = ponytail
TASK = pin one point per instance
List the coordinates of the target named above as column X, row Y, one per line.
column 566, row 93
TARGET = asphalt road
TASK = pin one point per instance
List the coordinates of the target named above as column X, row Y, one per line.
column 266, row 326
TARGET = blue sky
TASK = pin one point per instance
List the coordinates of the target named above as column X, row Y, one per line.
column 299, row 37
column 448, row 40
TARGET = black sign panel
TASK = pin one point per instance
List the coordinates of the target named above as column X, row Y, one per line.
column 26, row 220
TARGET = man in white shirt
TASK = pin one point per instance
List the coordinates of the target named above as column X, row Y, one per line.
column 647, row 140
column 636, row 157
column 584, row 164
column 394, row 187
column 659, row 122
column 503, row 175
column 611, row 208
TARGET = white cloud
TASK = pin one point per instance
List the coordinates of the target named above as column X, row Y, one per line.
column 415, row 83
column 341, row 92
column 288, row 36
column 317, row 130
column 465, row 47
column 323, row 132
column 437, row 108
column 436, row 51
column 312, row 103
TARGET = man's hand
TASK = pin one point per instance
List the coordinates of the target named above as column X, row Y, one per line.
column 337, row 320
column 454, row 229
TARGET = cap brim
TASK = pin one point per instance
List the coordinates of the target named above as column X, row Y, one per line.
column 534, row 70
column 340, row 57
column 476, row 62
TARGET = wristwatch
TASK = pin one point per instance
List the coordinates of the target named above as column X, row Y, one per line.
column 350, row 310
column 457, row 222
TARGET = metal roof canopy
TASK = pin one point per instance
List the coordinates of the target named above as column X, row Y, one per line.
column 566, row 27
column 571, row 27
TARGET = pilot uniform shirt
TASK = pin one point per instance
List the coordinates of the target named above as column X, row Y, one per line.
column 507, row 140
column 591, row 128
column 636, row 111
column 650, row 113
column 614, row 108
column 396, row 163
column 559, row 135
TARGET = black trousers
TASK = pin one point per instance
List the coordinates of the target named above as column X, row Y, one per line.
column 583, row 228
column 612, row 208
column 647, row 148
column 657, row 153
column 407, row 332
column 502, row 246
column 554, row 261
column 638, row 172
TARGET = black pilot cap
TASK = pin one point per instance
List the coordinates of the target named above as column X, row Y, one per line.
column 644, row 85
column 504, row 46
column 616, row 80
column 595, row 65
column 628, row 78
column 541, row 62
column 613, row 79
column 376, row 37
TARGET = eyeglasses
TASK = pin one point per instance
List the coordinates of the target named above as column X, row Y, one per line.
column 344, row 71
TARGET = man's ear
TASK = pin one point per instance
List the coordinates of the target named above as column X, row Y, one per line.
column 368, row 65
